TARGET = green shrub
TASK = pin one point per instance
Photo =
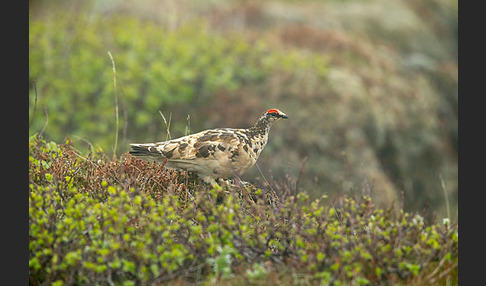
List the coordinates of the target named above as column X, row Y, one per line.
column 93, row 220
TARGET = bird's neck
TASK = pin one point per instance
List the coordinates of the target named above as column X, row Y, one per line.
column 261, row 128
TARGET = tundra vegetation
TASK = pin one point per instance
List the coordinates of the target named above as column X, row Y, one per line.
column 124, row 221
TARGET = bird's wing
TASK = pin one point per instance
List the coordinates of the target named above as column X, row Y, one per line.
column 215, row 142
column 210, row 143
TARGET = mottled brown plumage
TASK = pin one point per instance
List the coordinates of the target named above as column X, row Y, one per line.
column 214, row 153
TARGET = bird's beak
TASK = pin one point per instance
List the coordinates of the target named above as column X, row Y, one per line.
column 284, row 116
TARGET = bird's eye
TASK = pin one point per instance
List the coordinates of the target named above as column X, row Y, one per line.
column 273, row 112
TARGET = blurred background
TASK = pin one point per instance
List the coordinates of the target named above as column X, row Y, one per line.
column 370, row 86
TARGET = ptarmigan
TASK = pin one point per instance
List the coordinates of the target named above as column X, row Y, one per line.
column 215, row 153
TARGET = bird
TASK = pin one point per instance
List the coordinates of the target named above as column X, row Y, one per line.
column 213, row 154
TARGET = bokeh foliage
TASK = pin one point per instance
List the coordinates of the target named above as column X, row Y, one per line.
column 372, row 99
column 156, row 70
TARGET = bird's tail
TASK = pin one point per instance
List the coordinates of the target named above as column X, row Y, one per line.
column 145, row 151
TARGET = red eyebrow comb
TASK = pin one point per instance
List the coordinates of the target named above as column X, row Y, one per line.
column 272, row 111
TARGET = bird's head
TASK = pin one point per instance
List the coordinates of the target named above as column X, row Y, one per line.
column 269, row 117
column 274, row 115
